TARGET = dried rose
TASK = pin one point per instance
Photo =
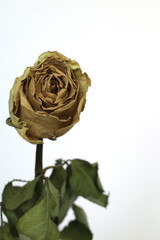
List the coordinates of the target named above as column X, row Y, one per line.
column 46, row 101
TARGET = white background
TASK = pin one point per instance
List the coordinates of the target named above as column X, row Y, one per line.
column 117, row 43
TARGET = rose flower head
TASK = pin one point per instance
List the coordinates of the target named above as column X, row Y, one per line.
column 46, row 101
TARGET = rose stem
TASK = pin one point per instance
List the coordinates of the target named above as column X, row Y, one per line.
column 1, row 214
column 39, row 167
column 39, row 164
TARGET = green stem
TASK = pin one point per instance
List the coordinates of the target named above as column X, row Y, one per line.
column 1, row 214
column 39, row 157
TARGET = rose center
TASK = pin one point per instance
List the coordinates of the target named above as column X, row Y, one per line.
column 53, row 85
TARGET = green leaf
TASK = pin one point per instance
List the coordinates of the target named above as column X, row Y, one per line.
column 98, row 182
column 9, row 122
column 58, row 178
column 80, row 215
column 13, row 197
column 83, row 181
column 55, row 194
column 68, row 199
column 76, row 231
column 36, row 223
column 12, row 220
column 27, row 205
column 5, row 233
column 23, row 237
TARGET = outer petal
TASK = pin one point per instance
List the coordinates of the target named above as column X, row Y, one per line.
column 14, row 101
column 42, row 125
column 75, row 119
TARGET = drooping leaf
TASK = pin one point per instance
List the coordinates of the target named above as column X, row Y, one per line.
column 58, row 178
column 13, row 197
column 76, row 231
column 36, row 223
column 98, row 182
column 5, row 233
column 80, row 215
column 68, row 199
column 23, row 237
column 27, row 205
column 83, row 181
column 55, row 194
column 12, row 220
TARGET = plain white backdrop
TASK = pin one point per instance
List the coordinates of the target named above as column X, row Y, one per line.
column 117, row 42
